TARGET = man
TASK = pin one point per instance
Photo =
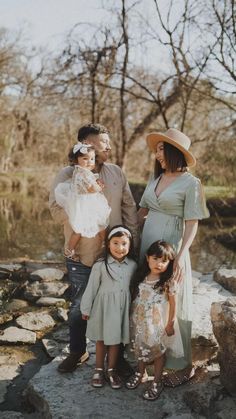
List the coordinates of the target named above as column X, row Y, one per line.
column 123, row 211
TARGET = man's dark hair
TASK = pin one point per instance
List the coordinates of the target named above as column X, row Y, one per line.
column 91, row 129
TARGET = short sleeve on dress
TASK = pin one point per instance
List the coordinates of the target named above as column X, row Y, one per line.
column 173, row 287
column 195, row 203
column 143, row 203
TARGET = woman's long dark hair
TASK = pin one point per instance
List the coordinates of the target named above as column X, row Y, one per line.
column 174, row 160
column 160, row 249
column 107, row 253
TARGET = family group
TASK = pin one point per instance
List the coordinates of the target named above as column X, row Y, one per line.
column 129, row 269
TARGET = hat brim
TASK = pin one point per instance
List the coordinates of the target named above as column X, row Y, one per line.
column 155, row 137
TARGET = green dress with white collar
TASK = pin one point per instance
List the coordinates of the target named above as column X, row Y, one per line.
column 106, row 301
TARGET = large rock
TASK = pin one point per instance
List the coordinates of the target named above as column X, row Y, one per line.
column 62, row 314
column 11, row 415
column 61, row 334
column 200, row 398
column 15, row 335
column 16, row 305
column 12, row 267
column 54, row 348
column 5, row 317
column 70, row 396
column 6, row 288
column 50, row 301
column 48, row 274
column 45, row 289
column 223, row 317
column 227, row 278
column 205, row 293
column 7, row 373
column 35, row 321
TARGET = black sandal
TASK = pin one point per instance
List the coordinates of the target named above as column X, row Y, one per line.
column 113, row 379
column 98, row 379
column 153, row 391
column 134, row 381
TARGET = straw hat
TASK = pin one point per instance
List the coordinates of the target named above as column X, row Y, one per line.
column 174, row 137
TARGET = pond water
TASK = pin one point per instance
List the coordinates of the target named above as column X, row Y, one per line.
column 27, row 231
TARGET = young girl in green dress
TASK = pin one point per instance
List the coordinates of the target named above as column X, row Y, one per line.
column 106, row 302
column 153, row 326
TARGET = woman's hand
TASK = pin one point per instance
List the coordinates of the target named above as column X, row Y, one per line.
column 170, row 331
column 85, row 317
column 178, row 268
column 188, row 237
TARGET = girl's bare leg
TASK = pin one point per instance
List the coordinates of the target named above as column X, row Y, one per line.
column 113, row 352
column 100, row 354
column 136, row 379
column 113, row 377
column 141, row 367
column 156, row 387
column 158, row 367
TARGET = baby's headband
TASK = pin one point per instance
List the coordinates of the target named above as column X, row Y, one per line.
column 118, row 230
column 83, row 148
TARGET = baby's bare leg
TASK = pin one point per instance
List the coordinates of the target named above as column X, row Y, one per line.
column 73, row 241
column 102, row 235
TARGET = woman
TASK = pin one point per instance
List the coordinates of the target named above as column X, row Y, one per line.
column 172, row 204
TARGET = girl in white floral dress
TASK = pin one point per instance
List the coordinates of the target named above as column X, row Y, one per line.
column 153, row 326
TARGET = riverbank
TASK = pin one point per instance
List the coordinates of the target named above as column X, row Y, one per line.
column 32, row 387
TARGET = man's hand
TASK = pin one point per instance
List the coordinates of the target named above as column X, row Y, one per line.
column 85, row 317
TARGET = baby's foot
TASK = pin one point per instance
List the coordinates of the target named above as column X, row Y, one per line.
column 69, row 253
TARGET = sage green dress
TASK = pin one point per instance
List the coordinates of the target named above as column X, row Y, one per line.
column 106, row 301
column 182, row 200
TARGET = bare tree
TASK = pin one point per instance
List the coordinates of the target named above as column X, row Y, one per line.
column 221, row 25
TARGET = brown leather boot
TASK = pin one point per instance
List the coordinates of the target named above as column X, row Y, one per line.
column 70, row 363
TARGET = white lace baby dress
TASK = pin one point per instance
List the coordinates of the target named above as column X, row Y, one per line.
column 88, row 212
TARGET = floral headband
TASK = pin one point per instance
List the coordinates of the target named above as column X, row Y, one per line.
column 119, row 230
column 83, row 148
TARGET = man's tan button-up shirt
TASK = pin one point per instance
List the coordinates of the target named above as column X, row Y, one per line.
column 120, row 199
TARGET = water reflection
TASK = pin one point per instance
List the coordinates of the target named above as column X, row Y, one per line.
column 27, row 230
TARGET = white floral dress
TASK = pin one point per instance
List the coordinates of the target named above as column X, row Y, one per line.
column 88, row 212
column 148, row 319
